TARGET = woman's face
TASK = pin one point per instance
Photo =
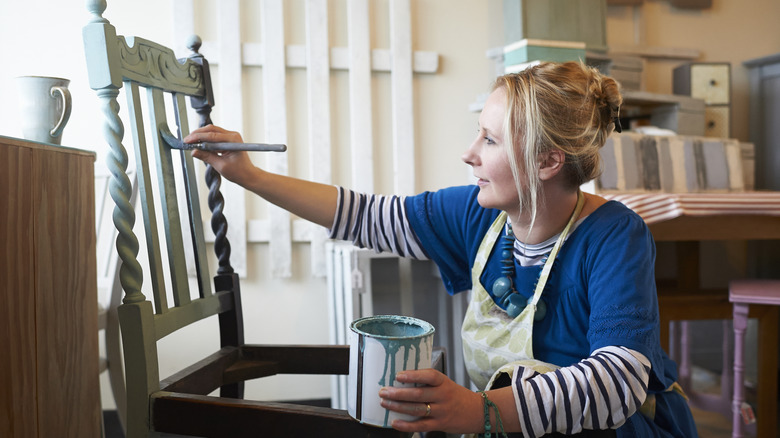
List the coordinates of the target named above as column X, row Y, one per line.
column 488, row 158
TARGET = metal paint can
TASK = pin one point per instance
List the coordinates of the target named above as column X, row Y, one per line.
column 380, row 347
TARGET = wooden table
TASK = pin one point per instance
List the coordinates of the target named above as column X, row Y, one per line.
column 687, row 220
column 49, row 385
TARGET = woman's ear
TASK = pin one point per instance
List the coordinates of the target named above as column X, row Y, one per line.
column 551, row 163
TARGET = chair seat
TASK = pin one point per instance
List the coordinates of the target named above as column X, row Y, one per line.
column 237, row 364
column 184, row 395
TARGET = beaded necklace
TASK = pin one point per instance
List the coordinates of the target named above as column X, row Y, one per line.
column 503, row 288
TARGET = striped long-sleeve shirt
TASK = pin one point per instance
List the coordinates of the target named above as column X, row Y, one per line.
column 599, row 392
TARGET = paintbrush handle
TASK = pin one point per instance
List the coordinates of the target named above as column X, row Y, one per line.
column 176, row 143
column 225, row 147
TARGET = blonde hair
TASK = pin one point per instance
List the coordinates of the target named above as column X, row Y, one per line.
column 569, row 107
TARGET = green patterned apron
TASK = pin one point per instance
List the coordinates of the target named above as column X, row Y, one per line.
column 493, row 342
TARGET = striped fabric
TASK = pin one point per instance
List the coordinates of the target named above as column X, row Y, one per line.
column 658, row 207
column 536, row 254
column 599, row 392
column 376, row 222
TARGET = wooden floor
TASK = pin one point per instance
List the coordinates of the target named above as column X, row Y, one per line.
column 711, row 424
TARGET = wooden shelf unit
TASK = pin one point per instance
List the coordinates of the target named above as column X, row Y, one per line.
column 49, row 383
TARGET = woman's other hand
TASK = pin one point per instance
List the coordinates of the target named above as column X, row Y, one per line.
column 453, row 408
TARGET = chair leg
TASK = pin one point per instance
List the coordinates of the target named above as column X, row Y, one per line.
column 684, row 365
column 727, row 376
column 740, row 324
column 673, row 339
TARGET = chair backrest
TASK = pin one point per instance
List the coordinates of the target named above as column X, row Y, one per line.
column 168, row 198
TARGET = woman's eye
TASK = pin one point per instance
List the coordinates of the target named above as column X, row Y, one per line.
column 489, row 140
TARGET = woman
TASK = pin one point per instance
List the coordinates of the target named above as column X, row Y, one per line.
column 562, row 330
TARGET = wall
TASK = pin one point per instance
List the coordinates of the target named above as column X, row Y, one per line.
column 43, row 37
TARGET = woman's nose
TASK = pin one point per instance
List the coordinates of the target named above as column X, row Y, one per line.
column 469, row 155
column 466, row 157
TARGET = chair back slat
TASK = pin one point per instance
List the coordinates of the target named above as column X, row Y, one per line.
column 202, row 272
column 146, row 189
column 169, row 203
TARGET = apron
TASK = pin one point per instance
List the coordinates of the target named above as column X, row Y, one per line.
column 493, row 342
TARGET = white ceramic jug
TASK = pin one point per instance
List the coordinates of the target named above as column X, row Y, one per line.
column 45, row 107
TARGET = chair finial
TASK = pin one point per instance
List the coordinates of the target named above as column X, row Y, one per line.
column 193, row 43
column 96, row 8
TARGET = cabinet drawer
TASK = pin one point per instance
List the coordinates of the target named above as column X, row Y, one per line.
column 707, row 81
column 711, row 83
column 717, row 121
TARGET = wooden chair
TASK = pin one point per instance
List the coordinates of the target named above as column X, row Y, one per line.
column 181, row 404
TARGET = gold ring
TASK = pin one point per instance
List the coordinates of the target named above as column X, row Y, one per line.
column 427, row 409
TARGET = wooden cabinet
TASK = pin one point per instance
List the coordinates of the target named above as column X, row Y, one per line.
column 764, row 74
column 710, row 82
column 49, row 383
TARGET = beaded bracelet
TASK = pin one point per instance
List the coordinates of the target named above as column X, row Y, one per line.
column 499, row 425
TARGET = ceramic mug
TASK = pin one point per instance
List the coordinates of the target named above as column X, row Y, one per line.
column 45, row 107
column 381, row 346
